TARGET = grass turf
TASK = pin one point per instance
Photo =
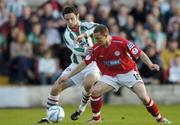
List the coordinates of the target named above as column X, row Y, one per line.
column 112, row 115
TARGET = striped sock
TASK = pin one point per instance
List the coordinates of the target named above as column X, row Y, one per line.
column 52, row 100
column 84, row 101
column 153, row 109
column 96, row 104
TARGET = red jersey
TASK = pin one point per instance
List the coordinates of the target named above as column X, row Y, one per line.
column 116, row 58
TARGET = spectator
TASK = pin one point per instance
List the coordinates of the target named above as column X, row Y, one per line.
column 70, row 3
column 151, row 77
column 82, row 11
column 56, row 8
column 34, row 37
column 3, row 13
column 158, row 17
column 52, row 34
column 150, row 21
column 138, row 12
column 159, row 37
column 47, row 68
column 167, row 55
column 103, row 14
column 114, row 4
column 25, row 19
column 3, row 46
column 138, row 36
column 129, row 28
column 93, row 6
column 174, row 26
column 122, row 15
column 89, row 17
column 114, row 30
column 16, row 6
column 174, row 70
column 21, row 59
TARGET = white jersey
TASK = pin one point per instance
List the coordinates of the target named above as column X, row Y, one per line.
column 79, row 49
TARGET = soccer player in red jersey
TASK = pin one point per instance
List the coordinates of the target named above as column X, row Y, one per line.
column 114, row 57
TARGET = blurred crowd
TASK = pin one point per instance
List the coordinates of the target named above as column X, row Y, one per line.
column 32, row 49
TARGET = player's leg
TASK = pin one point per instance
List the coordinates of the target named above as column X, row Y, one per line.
column 140, row 90
column 105, row 84
column 89, row 80
column 53, row 98
column 96, row 100
column 57, row 88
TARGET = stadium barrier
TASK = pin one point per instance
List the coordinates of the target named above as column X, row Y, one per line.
column 35, row 96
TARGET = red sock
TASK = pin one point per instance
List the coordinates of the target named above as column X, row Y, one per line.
column 153, row 109
column 96, row 104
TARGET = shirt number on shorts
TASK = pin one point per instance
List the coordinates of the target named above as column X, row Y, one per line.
column 137, row 76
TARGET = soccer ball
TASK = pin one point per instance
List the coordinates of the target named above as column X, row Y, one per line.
column 55, row 114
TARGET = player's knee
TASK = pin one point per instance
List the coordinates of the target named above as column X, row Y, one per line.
column 96, row 92
column 87, row 87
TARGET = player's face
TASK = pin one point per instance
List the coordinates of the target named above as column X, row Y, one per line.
column 101, row 39
column 71, row 19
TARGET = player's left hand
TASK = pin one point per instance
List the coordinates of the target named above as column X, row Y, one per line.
column 80, row 37
column 154, row 67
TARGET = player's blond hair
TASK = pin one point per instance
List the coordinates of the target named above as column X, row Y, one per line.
column 102, row 29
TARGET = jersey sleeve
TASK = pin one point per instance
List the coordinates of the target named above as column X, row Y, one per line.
column 133, row 49
column 90, row 27
column 75, row 48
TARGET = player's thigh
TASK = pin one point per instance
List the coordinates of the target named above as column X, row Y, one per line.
column 129, row 79
column 77, row 79
column 91, row 74
column 140, row 90
column 105, row 84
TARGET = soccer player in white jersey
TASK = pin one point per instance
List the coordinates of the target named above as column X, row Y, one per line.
column 77, row 37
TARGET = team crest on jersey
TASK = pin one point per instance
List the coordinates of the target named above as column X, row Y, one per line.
column 116, row 53
column 134, row 51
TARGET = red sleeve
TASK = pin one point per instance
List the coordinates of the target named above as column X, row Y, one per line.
column 133, row 50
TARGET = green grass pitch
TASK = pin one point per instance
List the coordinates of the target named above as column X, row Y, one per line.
column 112, row 115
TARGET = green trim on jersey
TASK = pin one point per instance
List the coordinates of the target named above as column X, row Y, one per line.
column 75, row 59
column 79, row 49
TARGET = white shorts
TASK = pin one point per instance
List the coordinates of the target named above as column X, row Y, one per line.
column 79, row 78
column 127, row 79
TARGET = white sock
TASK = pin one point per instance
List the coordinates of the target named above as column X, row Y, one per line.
column 84, row 101
column 52, row 100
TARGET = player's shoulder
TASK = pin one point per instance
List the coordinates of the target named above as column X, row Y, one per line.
column 67, row 32
column 119, row 40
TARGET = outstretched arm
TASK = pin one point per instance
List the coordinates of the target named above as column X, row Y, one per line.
column 78, row 69
column 148, row 62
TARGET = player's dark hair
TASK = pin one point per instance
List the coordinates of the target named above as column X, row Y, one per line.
column 70, row 9
column 101, row 29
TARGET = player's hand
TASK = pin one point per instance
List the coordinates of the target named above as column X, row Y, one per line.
column 63, row 78
column 80, row 37
column 154, row 67
column 89, row 51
